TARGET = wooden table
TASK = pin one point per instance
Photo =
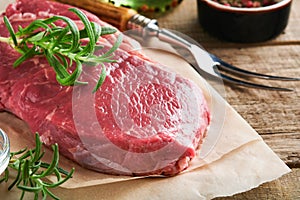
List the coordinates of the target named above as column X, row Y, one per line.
column 274, row 115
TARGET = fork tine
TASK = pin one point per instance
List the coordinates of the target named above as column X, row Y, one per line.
column 226, row 66
column 249, row 84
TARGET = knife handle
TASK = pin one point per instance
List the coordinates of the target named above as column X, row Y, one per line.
column 116, row 16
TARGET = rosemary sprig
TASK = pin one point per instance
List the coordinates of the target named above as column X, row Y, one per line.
column 31, row 171
column 62, row 45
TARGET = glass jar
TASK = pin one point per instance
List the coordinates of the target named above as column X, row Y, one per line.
column 4, row 151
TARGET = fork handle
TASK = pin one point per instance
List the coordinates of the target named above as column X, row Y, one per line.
column 116, row 16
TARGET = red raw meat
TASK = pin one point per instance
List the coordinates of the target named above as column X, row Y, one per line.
column 144, row 120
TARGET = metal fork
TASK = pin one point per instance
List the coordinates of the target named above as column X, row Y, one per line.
column 222, row 65
column 206, row 62
column 128, row 19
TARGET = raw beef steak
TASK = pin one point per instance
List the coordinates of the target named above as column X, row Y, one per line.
column 144, row 120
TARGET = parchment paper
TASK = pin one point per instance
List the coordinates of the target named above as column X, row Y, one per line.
column 239, row 161
column 236, row 160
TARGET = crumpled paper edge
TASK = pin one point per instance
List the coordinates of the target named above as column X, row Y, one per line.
column 216, row 157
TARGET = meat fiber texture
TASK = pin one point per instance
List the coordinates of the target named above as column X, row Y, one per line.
column 144, row 119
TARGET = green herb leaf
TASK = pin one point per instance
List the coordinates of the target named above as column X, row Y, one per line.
column 108, row 31
column 62, row 46
column 101, row 79
column 10, row 30
column 31, row 172
column 28, row 54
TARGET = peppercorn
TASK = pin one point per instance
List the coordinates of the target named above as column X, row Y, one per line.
column 247, row 3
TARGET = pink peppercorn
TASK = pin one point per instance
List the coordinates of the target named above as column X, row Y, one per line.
column 247, row 3
column 256, row 4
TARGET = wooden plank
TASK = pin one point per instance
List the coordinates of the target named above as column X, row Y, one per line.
column 278, row 60
column 286, row 146
column 285, row 188
column 267, row 111
column 274, row 115
column 185, row 20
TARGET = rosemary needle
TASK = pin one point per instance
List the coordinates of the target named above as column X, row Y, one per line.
column 31, row 171
column 62, row 46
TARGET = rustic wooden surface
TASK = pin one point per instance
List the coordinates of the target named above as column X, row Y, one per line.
column 274, row 115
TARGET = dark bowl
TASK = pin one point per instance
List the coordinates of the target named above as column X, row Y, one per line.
column 244, row 25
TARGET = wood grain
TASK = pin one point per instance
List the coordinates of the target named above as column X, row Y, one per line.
column 184, row 19
column 118, row 17
column 274, row 115
column 285, row 188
